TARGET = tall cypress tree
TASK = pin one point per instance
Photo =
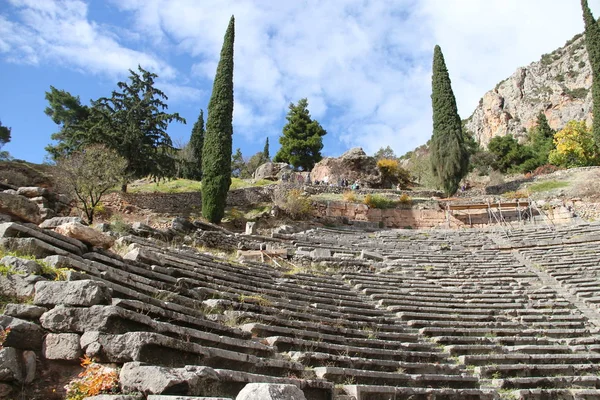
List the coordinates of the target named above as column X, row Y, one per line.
column 194, row 169
column 266, row 155
column 449, row 156
column 216, row 153
column 592, row 43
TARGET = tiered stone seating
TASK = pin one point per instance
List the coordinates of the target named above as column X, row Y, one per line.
column 492, row 313
column 444, row 315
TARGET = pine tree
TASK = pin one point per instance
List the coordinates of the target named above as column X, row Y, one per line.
column 133, row 121
column 449, row 157
column 216, row 153
column 237, row 164
column 302, row 139
column 592, row 42
column 194, row 168
column 266, row 155
column 5, row 135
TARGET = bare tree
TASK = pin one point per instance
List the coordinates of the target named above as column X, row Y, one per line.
column 88, row 174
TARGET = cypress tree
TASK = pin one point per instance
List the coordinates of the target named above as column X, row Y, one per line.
column 216, row 152
column 266, row 155
column 196, row 144
column 592, row 43
column 449, row 157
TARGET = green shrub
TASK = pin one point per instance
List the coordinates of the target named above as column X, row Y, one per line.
column 378, row 201
column 293, row 202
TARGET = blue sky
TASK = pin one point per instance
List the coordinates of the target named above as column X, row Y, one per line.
column 365, row 66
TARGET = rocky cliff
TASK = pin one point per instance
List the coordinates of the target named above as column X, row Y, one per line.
column 558, row 85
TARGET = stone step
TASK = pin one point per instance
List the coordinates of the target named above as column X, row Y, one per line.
column 558, row 382
column 373, row 392
column 457, row 350
column 400, row 341
column 531, row 359
column 292, row 344
column 161, row 350
column 333, row 326
column 359, row 376
column 553, row 333
column 542, row 394
column 317, row 359
column 527, row 370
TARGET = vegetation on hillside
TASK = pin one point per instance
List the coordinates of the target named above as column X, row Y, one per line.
column 216, row 153
column 133, row 122
column 190, row 156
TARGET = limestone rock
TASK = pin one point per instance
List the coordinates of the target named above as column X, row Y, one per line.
column 272, row 171
column 23, row 334
column 19, row 285
column 19, row 207
column 181, row 224
column 354, row 166
column 73, row 293
column 29, row 366
column 57, row 221
column 61, row 346
column 270, row 391
column 21, row 265
column 558, row 85
column 86, row 234
column 149, row 379
column 10, row 365
column 32, row 191
column 24, row 311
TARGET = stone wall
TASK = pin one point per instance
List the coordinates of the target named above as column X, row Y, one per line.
column 388, row 218
column 185, row 203
column 438, row 218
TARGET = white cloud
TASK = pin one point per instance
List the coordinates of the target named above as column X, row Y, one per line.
column 60, row 32
column 365, row 66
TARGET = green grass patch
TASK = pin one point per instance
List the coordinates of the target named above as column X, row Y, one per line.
column 327, row 197
column 187, row 185
column 547, row 186
column 171, row 186
column 237, row 183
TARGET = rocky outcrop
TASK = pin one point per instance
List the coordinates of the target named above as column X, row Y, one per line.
column 354, row 166
column 272, row 171
column 558, row 85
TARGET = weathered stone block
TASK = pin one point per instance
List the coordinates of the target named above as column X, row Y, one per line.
column 73, row 293
column 62, row 346
column 23, row 334
column 21, row 265
column 270, row 391
column 24, row 311
column 10, row 365
column 29, row 366
column 19, row 207
column 86, row 234
column 32, row 191
column 57, row 221
column 149, row 379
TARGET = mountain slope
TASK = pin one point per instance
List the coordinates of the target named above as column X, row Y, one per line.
column 558, row 85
